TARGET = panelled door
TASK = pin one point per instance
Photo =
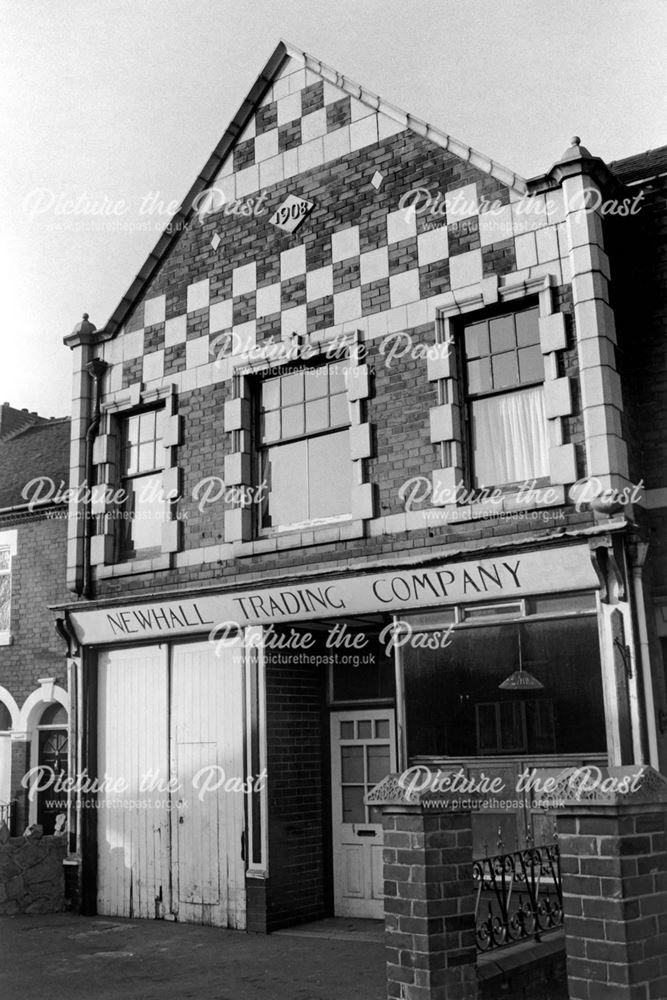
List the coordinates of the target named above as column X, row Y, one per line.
column 363, row 751
column 170, row 727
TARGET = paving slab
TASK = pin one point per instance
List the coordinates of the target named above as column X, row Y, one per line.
column 67, row 957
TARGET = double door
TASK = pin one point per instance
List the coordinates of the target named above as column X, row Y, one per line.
column 171, row 819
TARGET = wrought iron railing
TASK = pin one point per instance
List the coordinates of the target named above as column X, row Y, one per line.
column 518, row 896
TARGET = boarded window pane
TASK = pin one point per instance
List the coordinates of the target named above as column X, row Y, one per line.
column 286, row 473
column 292, row 421
column 479, row 376
column 340, row 411
column 505, row 371
column 292, row 389
column 316, row 383
column 317, row 415
column 477, row 340
column 329, row 475
column 149, row 512
column 270, row 394
column 531, row 366
column 502, row 334
column 270, row 426
column 527, row 328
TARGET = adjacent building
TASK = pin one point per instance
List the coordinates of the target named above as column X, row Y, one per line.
column 34, row 701
column 357, row 472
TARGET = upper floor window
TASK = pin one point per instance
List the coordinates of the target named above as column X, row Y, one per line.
column 304, row 449
column 6, row 552
column 504, row 401
column 142, row 466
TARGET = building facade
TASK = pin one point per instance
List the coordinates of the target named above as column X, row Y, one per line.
column 366, row 497
column 34, row 700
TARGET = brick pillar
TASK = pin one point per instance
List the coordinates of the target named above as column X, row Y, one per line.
column 429, row 903
column 613, row 851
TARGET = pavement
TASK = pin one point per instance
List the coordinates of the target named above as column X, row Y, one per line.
column 68, row 957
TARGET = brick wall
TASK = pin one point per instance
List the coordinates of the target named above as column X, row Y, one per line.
column 295, row 733
column 38, row 580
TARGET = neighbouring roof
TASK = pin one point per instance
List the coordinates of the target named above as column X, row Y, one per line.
column 40, row 449
column 13, row 420
column 281, row 54
column 641, row 166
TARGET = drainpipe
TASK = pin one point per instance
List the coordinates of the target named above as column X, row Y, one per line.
column 96, row 369
column 638, row 552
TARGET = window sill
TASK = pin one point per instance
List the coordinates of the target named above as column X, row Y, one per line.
column 322, row 534
column 6, row 639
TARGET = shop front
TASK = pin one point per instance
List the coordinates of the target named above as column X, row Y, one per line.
column 234, row 735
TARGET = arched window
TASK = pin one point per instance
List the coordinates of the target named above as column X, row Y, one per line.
column 53, row 748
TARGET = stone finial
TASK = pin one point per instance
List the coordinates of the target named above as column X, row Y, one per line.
column 84, row 326
column 575, row 151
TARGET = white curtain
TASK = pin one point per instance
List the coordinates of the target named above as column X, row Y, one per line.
column 509, row 435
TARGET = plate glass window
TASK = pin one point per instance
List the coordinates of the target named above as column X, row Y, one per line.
column 304, row 447
column 143, row 465
column 505, row 403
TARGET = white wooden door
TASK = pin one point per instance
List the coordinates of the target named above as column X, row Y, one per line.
column 133, row 869
column 208, row 821
column 363, row 751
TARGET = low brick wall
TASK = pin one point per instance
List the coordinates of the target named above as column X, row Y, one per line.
column 31, row 872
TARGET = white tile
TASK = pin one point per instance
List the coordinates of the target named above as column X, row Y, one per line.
column 374, row 265
column 115, row 377
column 244, row 279
column 196, row 352
column 266, row 146
column 404, row 287
column 495, row 225
column 311, row 154
column 555, row 203
column 364, row 132
column 314, row 125
column 220, row 315
column 289, row 108
column 297, row 81
column 358, row 109
column 154, row 310
column 227, row 167
column 248, row 132
column 268, row 300
column 388, row 127
column 292, row 262
column 319, row 283
column 198, row 295
column 529, row 214
column 465, row 269
column 175, row 330
column 526, row 252
column 133, row 344
column 332, row 93
column 547, row 244
column 401, row 225
column 244, row 337
column 337, row 143
column 432, row 245
column 153, row 366
column 247, row 181
column 271, row 171
column 345, row 243
column 461, row 203
column 280, row 88
column 347, row 305
column 291, row 162
column 293, row 321
column 224, row 190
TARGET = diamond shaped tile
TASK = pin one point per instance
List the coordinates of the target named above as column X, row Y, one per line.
column 376, row 180
column 291, row 213
column 215, row 242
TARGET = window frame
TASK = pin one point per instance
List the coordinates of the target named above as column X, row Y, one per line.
column 260, row 449
column 123, row 553
column 8, row 543
column 511, row 308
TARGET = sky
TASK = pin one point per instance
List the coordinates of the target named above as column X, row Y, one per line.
column 124, row 100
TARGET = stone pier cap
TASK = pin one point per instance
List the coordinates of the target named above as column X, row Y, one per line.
column 392, row 791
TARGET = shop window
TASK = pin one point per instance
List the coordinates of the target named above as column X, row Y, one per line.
column 455, row 705
column 52, row 749
column 5, row 590
column 304, row 447
column 366, row 674
column 142, row 457
column 504, row 403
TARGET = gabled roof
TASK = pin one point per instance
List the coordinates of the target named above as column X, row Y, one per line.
column 13, row 420
column 282, row 53
column 641, row 166
column 41, row 449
